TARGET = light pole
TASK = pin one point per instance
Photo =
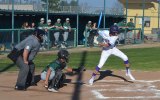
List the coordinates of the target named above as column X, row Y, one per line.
column 143, row 19
column 126, row 9
column 77, row 21
column 158, row 11
column 12, row 22
column 104, row 18
column 47, row 4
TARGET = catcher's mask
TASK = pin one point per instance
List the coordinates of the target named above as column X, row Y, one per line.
column 39, row 34
column 63, row 54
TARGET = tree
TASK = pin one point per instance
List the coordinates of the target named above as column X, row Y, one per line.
column 64, row 3
column 73, row 3
column 54, row 5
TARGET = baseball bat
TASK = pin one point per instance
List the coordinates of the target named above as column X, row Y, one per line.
column 100, row 18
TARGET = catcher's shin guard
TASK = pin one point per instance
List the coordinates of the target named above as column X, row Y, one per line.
column 57, row 80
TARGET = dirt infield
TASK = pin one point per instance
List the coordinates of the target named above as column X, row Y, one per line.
column 111, row 85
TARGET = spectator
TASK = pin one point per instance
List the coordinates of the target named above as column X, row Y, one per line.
column 67, row 29
column 58, row 30
column 122, row 28
column 25, row 25
column 25, row 32
column 33, row 25
column 87, row 30
column 130, row 35
column 92, row 34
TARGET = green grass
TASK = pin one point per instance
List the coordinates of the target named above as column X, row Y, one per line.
column 146, row 59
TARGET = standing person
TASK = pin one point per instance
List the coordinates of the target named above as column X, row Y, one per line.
column 130, row 35
column 122, row 29
column 87, row 30
column 58, row 30
column 109, row 48
column 92, row 35
column 67, row 29
column 47, row 28
column 22, row 55
column 53, row 75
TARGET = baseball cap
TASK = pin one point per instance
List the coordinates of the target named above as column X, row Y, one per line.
column 58, row 19
column 42, row 19
column 49, row 21
column 89, row 21
column 67, row 18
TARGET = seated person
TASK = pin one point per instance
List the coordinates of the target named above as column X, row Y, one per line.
column 53, row 75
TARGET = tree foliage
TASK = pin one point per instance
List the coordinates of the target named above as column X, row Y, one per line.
column 53, row 4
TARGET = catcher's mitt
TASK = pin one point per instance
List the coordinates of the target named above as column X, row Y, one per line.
column 79, row 69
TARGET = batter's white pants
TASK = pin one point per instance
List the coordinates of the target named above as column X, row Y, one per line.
column 114, row 51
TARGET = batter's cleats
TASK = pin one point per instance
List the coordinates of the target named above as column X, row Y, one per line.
column 130, row 76
column 52, row 90
column 20, row 88
column 91, row 81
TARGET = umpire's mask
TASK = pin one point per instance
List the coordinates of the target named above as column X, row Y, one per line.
column 39, row 34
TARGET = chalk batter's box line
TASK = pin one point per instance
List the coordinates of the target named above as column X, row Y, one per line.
column 100, row 96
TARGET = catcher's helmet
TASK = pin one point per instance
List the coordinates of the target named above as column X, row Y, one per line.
column 63, row 54
column 39, row 34
column 114, row 29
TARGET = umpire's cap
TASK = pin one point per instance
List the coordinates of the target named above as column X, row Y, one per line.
column 114, row 29
column 39, row 32
column 63, row 54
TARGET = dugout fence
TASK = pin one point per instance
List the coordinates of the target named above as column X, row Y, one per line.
column 10, row 37
column 126, row 36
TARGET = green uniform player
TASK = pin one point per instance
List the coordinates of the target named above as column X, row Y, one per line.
column 53, row 75
column 67, row 29
column 130, row 34
column 58, row 29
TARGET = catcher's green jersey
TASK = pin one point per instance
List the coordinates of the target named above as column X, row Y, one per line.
column 54, row 65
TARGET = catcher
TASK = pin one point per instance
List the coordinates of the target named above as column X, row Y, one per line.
column 53, row 75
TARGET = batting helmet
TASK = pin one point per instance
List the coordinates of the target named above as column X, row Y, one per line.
column 39, row 34
column 114, row 29
column 63, row 54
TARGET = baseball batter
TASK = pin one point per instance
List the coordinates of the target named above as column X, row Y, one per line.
column 108, row 48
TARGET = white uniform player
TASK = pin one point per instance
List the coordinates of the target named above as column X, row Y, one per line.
column 108, row 48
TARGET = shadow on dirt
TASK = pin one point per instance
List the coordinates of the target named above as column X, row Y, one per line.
column 107, row 73
column 78, row 85
column 6, row 68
